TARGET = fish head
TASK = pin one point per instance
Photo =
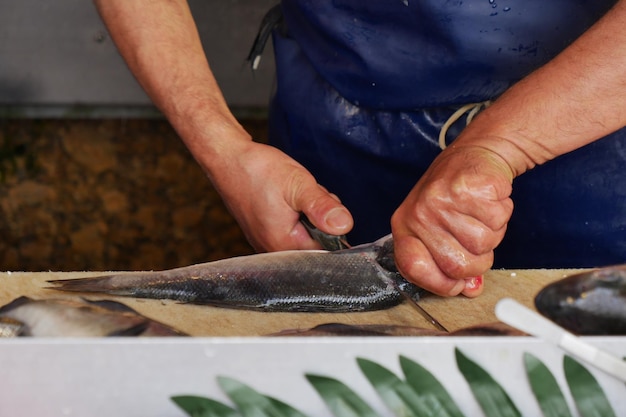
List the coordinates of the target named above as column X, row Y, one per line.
column 589, row 303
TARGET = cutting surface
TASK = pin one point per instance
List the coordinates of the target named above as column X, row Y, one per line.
column 454, row 313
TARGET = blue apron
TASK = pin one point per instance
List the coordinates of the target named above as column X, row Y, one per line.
column 364, row 87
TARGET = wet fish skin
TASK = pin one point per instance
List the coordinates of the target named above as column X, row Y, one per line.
column 587, row 303
column 302, row 281
column 80, row 318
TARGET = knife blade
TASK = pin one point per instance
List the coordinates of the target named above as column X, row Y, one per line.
column 432, row 320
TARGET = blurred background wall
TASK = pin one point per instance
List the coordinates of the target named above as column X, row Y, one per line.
column 92, row 177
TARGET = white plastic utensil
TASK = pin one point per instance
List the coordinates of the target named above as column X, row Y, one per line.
column 518, row 315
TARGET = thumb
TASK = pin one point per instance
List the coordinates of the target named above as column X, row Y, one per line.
column 325, row 211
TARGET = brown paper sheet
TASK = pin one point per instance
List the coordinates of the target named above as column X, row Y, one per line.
column 454, row 313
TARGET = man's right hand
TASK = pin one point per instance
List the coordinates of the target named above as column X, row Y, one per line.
column 266, row 191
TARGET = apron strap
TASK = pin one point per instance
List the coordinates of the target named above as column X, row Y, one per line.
column 271, row 20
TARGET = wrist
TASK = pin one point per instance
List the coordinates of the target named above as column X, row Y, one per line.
column 209, row 130
column 509, row 139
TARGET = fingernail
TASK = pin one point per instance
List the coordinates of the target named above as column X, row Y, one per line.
column 338, row 218
column 474, row 282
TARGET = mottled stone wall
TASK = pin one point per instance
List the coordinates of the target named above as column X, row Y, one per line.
column 107, row 195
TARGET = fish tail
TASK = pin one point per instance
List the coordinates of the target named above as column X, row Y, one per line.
column 102, row 284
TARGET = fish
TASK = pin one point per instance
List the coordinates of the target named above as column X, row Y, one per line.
column 26, row 316
column 11, row 328
column 341, row 329
column 587, row 303
column 362, row 278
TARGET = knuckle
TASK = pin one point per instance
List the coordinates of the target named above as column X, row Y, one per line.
column 481, row 240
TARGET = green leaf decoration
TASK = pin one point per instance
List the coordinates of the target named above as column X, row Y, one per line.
column 493, row 400
column 341, row 400
column 546, row 389
column 420, row 395
column 250, row 403
column 395, row 393
column 203, row 407
column 429, row 389
column 588, row 395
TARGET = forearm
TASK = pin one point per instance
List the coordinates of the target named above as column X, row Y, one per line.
column 160, row 43
column 573, row 100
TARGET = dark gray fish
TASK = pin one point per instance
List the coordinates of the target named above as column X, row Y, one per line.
column 588, row 303
column 363, row 278
column 341, row 329
column 79, row 318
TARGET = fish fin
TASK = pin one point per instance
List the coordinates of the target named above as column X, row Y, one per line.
column 341, row 329
column 157, row 329
column 100, row 284
column 20, row 301
column 111, row 305
column 135, row 330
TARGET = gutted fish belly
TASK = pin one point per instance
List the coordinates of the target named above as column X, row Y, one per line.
column 308, row 281
column 588, row 303
column 79, row 318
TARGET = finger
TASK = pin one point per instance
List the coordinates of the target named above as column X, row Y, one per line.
column 324, row 210
column 494, row 214
column 287, row 235
column 457, row 263
column 417, row 265
column 487, row 203
column 472, row 234
column 451, row 257
column 302, row 239
column 333, row 195
column 473, row 286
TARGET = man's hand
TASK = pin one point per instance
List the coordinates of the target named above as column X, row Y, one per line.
column 266, row 190
column 448, row 226
column 446, row 229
